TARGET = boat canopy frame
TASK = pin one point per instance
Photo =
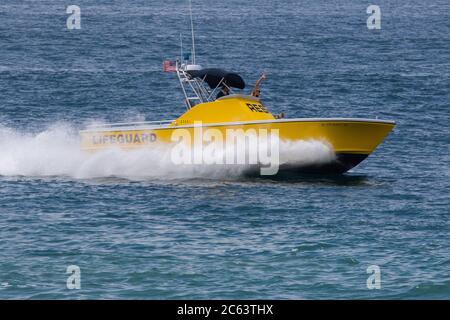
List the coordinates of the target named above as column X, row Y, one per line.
column 198, row 87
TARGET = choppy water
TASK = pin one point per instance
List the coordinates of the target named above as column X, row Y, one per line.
column 140, row 232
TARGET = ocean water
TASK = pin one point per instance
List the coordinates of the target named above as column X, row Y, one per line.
column 139, row 228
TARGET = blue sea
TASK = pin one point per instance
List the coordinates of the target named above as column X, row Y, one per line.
column 139, row 229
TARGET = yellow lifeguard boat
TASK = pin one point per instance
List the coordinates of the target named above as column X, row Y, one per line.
column 351, row 139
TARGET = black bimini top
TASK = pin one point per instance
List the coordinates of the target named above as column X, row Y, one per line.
column 214, row 76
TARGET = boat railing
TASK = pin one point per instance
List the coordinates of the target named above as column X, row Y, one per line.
column 129, row 124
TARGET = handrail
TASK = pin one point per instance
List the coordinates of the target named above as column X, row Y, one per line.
column 117, row 124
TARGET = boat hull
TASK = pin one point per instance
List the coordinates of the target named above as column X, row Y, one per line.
column 352, row 140
column 341, row 164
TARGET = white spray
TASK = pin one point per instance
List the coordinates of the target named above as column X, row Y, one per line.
column 56, row 152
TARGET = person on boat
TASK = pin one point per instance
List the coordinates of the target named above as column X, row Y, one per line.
column 224, row 91
column 257, row 91
column 257, row 88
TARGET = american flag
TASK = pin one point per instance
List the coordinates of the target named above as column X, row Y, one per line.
column 169, row 66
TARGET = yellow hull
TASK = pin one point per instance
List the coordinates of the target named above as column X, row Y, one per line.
column 352, row 140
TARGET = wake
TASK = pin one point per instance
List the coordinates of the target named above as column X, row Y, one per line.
column 56, row 152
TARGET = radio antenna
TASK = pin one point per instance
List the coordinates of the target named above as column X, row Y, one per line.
column 181, row 47
column 192, row 32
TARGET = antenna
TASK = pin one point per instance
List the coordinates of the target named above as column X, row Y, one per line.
column 192, row 31
column 181, row 47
